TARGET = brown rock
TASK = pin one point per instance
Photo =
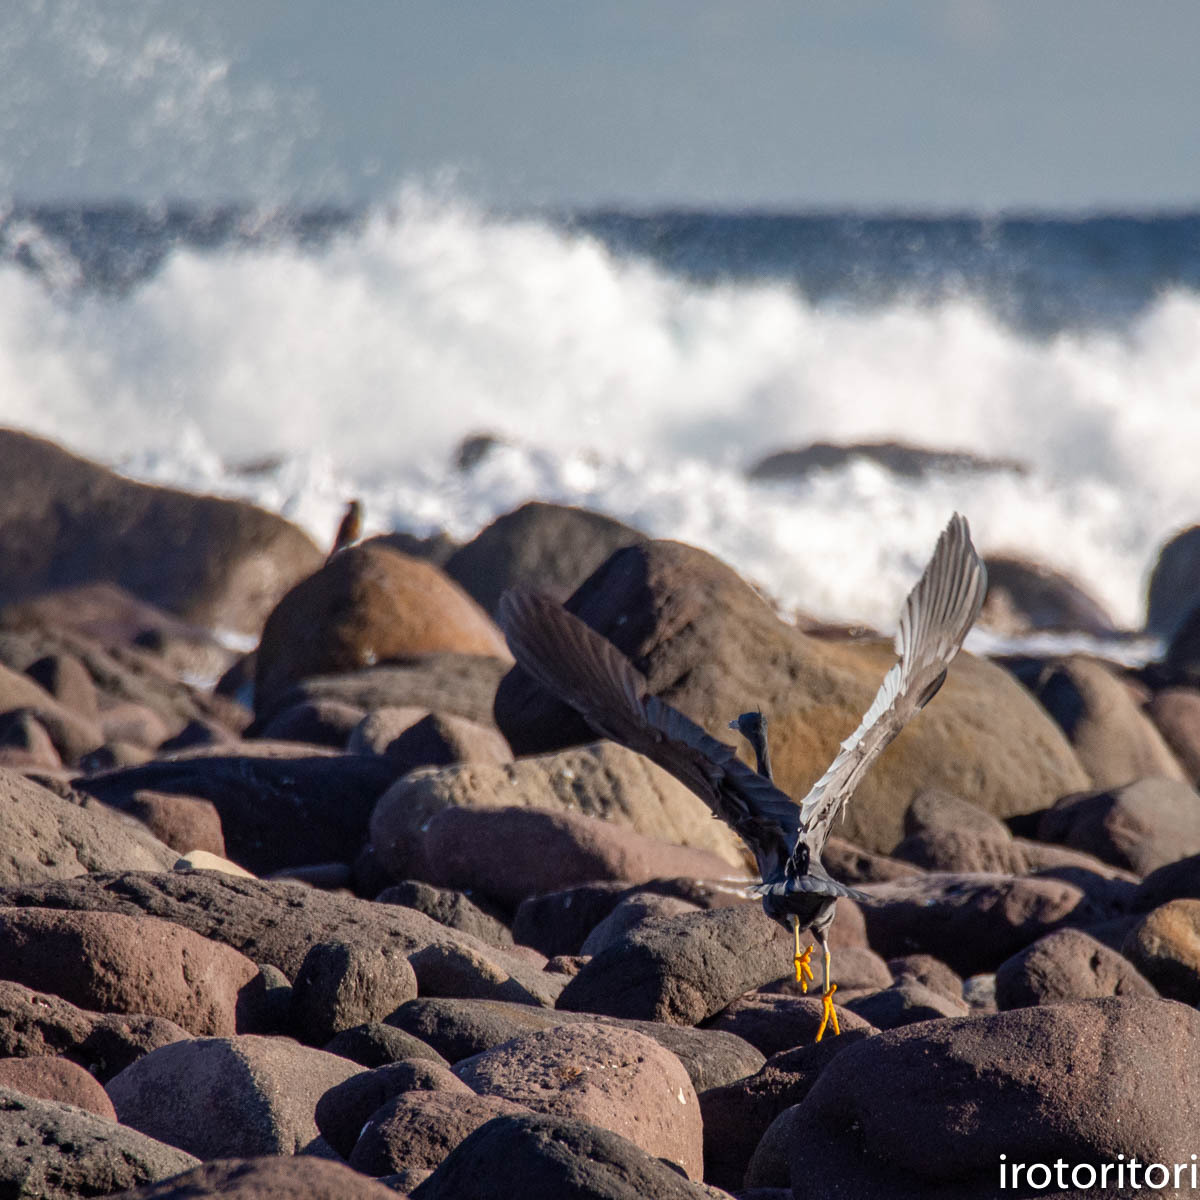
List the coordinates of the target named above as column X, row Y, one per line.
column 698, row 632
column 376, row 1044
column 217, row 563
column 440, row 739
column 418, row 1129
column 1025, row 597
column 228, row 1097
column 34, row 1024
column 300, row 1178
column 25, row 744
column 53, row 1151
column 550, row 547
column 59, row 1079
column 851, row 865
column 343, row 1111
column 341, row 985
column 68, row 681
column 1174, row 881
column 1063, row 966
column 134, row 724
column 73, row 736
column 1165, row 947
column 615, row 1078
column 512, row 853
column 115, row 963
column 935, row 811
column 48, row 837
column 629, row 914
column 1138, row 827
column 1034, row 1085
column 452, row 908
column 1114, row 740
column 316, row 722
column 366, row 605
column 379, row 728
column 928, row 971
column 773, row 1022
column 905, row 1003
column 185, row 823
column 962, row 850
column 1176, row 714
column 601, row 780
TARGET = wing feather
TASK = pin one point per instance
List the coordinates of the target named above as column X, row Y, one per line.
column 933, row 623
column 585, row 670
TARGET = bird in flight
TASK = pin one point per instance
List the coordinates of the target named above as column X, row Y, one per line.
column 586, row 671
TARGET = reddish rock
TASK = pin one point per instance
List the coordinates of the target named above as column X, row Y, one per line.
column 1165, row 947
column 905, row 1003
column 615, row 1078
column 929, row 971
column 185, row 823
column 24, row 743
column 418, row 1129
column 629, row 914
column 228, row 1097
column 366, row 605
column 59, row 1079
column 440, row 739
column 773, row 1022
column 68, row 681
column 851, row 865
column 1176, row 714
column 450, row 907
column 1174, row 881
column 1063, row 966
column 115, row 963
column 72, row 735
column 300, row 1178
column 376, row 1044
column 936, row 811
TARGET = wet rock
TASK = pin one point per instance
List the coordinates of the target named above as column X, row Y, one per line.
column 698, row 631
column 970, row 922
column 905, row 1003
column 217, row 563
column 552, row 548
column 116, row 963
column 451, row 908
column 1033, row 1084
column 616, row 1078
column 513, row 853
column 1063, row 966
column 682, row 970
column 341, row 985
column 275, row 812
column 50, row 1151
column 1115, row 741
column 547, row 1158
column 228, row 1097
column 277, row 923
column 364, row 606
column 1176, row 715
column 299, row 1178
column 35, row 1024
column 601, row 780
column 343, row 1111
column 419, row 1129
column 1165, row 947
column 1138, row 827
column 375, row 1044
column 58, row 1079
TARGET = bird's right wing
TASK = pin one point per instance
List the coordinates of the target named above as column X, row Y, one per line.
column 585, row 670
column 936, row 617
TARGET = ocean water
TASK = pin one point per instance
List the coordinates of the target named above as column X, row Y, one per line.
column 636, row 363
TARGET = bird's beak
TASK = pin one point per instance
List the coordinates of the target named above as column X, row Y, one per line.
column 733, row 724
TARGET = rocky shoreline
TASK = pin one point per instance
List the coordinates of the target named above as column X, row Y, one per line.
column 373, row 915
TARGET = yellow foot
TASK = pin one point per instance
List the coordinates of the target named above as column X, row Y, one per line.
column 804, row 970
column 828, row 1013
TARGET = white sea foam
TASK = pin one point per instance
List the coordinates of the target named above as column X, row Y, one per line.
column 358, row 366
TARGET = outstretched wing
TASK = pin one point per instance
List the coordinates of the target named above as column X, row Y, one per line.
column 936, row 617
column 585, row 670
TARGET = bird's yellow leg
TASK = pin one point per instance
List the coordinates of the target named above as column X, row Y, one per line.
column 803, row 967
column 828, row 1013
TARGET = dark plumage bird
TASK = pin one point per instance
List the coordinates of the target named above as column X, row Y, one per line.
column 589, row 673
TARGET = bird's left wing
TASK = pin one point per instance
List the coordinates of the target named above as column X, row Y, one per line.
column 936, row 617
column 585, row 670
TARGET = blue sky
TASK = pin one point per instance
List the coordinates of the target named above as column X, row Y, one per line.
column 761, row 103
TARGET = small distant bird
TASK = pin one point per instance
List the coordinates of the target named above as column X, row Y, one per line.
column 586, row 671
column 350, row 530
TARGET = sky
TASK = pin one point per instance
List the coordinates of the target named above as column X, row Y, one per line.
column 782, row 104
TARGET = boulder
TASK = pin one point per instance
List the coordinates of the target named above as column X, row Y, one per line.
column 315, row 722
column 1173, row 591
column 540, row 1157
column 935, row 811
column 418, row 1129
column 278, row 922
column 600, row 780
column 52, row 1151
column 376, row 1044
column 72, row 735
column 1115, row 742
column 970, row 922
column 513, row 853
column 905, row 1003
column 111, row 962
column 52, row 1078
column 928, row 971
column 851, row 865
column 48, row 837
column 1027, row 597
column 63, row 521
column 299, row 1178
column 1176, row 715
column 1034, row 1085
column 66, row 679
column 341, row 985
column 635, row 910
column 773, row 1022
column 616, row 1078
column 552, row 548
column 184, row 823
column 25, row 744
column 1174, row 881
column 364, row 606
column 228, row 1097
column 698, row 632
column 441, row 739
column 34, row 1025
column 1165, row 947
column 1139, row 827
column 452, row 908
column 1063, row 966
